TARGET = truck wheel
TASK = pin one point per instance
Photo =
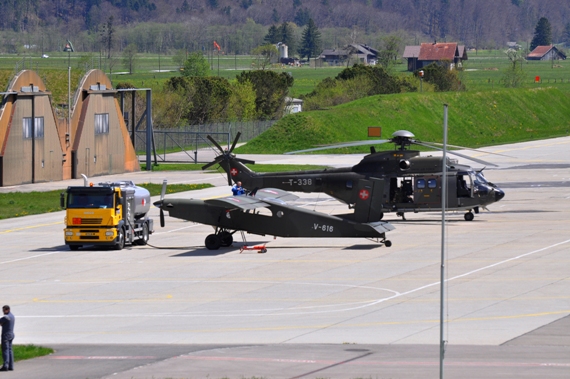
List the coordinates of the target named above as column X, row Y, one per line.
column 213, row 242
column 144, row 236
column 74, row 247
column 120, row 241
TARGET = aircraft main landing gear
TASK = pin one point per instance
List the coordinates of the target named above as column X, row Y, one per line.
column 469, row 216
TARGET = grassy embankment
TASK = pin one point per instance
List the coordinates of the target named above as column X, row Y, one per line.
column 478, row 118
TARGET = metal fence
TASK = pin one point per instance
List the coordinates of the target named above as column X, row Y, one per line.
column 190, row 143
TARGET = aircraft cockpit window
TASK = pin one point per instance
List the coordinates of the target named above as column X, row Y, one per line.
column 421, row 183
column 480, row 179
column 432, row 183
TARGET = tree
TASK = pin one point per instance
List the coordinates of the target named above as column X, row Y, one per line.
column 107, row 36
column 542, row 34
column 273, row 35
column 271, row 89
column 302, row 17
column 130, row 57
column 265, row 54
column 311, row 41
column 287, row 34
column 196, row 65
column 514, row 75
column 391, row 51
column 179, row 58
column 566, row 35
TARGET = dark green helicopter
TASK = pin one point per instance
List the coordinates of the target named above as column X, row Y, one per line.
column 398, row 181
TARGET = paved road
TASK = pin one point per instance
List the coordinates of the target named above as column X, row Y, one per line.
column 308, row 308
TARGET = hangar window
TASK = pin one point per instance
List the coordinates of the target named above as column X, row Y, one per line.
column 101, row 123
column 38, row 129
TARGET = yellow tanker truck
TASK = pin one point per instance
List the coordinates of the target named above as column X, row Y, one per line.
column 107, row 214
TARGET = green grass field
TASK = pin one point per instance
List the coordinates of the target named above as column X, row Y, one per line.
column 482, row 71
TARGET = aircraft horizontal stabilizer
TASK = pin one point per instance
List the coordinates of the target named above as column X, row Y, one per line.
column 381, row 227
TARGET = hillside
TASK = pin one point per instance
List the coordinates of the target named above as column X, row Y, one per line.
column 241, row 25
column 475, row 119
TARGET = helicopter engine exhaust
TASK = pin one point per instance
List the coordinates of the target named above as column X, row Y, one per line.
column 404, row 164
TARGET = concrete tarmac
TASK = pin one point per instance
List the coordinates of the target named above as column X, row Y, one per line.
column 308, row 308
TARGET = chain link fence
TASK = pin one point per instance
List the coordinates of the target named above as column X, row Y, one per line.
column 190, row 143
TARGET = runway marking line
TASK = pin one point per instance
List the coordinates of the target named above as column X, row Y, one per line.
column 91, row 357
column 376, row 363
column 29, row 227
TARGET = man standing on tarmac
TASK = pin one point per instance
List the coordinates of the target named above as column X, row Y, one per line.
column 7, row 321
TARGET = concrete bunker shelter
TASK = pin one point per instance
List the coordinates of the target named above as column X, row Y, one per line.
column 95, row 142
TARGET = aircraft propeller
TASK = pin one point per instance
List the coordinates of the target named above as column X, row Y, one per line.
column 226, row 156
column 162, row 193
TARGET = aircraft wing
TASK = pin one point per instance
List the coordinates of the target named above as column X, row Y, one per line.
column 274, row 193
column 242, row 202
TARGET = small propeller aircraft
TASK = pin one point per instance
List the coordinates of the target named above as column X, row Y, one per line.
column 383, row 181
column 244, row 213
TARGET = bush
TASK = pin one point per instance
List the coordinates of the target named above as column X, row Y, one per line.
column 441, row 77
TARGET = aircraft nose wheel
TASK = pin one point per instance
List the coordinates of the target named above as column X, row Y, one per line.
column 387, row 243
column 469, row 216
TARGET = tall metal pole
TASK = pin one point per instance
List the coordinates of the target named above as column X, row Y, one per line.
column 148, row 129
column 33, row 134
column 442, row 271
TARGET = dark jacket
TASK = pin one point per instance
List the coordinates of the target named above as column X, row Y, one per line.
column 7, row 321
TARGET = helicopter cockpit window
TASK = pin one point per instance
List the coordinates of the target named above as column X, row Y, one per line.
column 432, row 183
column 421, row 183
column 480, row 179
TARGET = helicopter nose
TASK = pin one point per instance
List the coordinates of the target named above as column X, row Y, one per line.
column 499, row 194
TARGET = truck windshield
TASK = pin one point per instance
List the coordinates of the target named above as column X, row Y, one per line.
column 76, row 200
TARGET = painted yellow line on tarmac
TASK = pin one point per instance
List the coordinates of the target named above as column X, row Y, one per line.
column 29, row 227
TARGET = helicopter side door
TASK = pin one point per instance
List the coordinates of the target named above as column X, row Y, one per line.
column 427, row 191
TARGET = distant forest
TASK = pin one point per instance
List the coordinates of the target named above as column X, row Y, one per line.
column 238, row 26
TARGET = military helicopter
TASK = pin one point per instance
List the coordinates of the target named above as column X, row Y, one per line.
column 242, row 213
column 398, row 181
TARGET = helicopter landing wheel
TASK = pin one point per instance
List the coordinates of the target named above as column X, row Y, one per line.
column 213, row 242
column 387, row 243
column 469, row 216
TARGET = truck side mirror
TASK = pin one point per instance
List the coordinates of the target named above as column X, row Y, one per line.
column 62, row 200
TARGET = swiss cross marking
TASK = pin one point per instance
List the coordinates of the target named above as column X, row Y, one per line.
column 364, row 194
column 234, row 171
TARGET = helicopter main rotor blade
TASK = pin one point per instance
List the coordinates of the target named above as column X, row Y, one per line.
column 235, row 141
column 229, row 179
column 468, row 148
column 338, row 146
column 215, row 161
column 458, row 154
column 215, row 143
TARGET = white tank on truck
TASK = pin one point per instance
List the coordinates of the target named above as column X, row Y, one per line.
column 141, row 196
